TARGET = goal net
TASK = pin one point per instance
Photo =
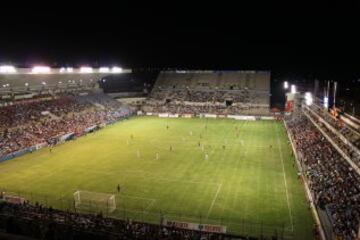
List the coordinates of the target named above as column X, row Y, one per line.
column 94, row 201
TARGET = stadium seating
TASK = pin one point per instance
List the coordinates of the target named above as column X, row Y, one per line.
column 194, row 92
column 332, row 181
column 47, row 223
column 35, row 121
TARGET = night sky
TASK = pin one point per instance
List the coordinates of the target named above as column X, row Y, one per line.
column 317, row 40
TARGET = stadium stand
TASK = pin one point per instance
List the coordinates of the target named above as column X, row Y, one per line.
column 46, row 223
column 332, row 181
column 42, row 120
column 223, row 92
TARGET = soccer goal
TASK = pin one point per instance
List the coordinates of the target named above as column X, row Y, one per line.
column 94, row 201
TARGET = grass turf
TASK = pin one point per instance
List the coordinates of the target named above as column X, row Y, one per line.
column 250, row 186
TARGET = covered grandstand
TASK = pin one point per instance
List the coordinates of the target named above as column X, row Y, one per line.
column 216, row 92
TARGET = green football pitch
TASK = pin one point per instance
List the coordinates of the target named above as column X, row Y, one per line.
column 248, row 182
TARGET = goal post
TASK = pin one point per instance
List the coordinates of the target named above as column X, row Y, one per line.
column 94, row 201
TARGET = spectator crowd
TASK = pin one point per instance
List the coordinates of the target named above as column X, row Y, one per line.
column 46, row 223
column 335, row 186
column 213, row 101
column 27, row 123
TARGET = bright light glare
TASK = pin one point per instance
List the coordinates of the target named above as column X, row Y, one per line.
column 286, row 85
column 326, row 102
column 104, row 69
column 293, row 89
column 86, row 70
column 7, row 69
column 116, row 70
column 40, row 70
column 308, row 98
column 69, row 69
column 62, row 70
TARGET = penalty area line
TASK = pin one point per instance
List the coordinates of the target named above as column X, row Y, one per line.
column 214, row 200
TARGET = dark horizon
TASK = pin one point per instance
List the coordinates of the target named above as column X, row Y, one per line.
column 307, row 40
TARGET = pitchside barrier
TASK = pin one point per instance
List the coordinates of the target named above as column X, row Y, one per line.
column 122, row 207
column 207, row 115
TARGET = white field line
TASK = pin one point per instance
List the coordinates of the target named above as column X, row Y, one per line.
column 285, row 182
column 220, row 185
column 214, row 200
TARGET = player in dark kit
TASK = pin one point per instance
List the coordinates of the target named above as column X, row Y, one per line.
column 118, row 188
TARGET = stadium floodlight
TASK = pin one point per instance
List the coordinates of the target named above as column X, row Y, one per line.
column 7, row 69
column 286, row 85
column 69, row 69
column 41, row 70
column 293, row 88
column 86, row 70
column 326, row 102
column 104, row 70
column 308, row 99
column 116, row 70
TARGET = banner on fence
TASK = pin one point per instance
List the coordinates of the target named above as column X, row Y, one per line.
column 40, row 145
column 66, row 137
column 267, row 118
column 149, row 114
column 187, row 115
column 173, row 115
column 91, row 129
column 238, row 117
column 163, row 115
column 210, row 115
column 195, row 226
column 13, row 199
